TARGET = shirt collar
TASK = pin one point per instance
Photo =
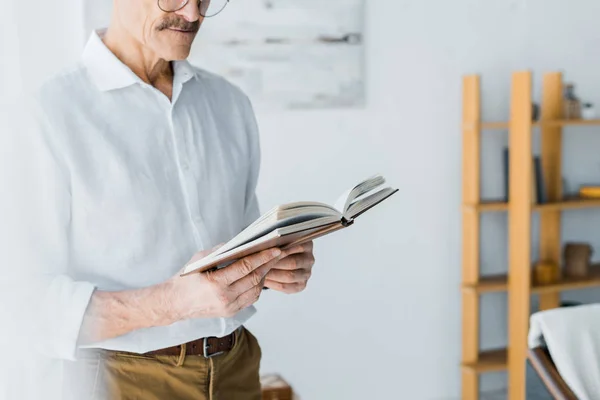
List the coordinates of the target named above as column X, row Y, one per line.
column 109, row 73
column 183, row 71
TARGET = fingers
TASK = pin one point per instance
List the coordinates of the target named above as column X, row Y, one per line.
column 245, row 266
column 289, row 276
column 296, row 261
column 254, row 278
column 292, row 272
column 288, row 288
column 301, row 248
column 247, row 298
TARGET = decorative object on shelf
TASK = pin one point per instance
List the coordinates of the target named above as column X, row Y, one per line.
column 577, row 259
column 274, row 387
column 535, row 111
column 588, row 112
column 545, row 273
column 572, row 103
column 589, row 191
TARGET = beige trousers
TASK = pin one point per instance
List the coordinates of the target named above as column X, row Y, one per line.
column 108, row 375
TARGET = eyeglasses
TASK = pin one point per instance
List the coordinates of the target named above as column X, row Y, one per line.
column 207, row 8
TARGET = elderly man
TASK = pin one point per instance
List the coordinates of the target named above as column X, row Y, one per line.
column 137, row 160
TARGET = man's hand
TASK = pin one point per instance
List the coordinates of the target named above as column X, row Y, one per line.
column 291, row 272
column 202, row 295
column 220, row 293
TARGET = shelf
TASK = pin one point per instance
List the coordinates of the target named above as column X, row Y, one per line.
column 494, row 125
column 489, row 361
column 574, row 122
column 499, row 283
column 501, row 125
column 558, row 122
column 593, row 280
column 496, row 360
column 487, row 206
column 489, row 284
column 567, row 204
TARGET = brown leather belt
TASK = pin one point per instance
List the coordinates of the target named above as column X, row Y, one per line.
column 207, row 347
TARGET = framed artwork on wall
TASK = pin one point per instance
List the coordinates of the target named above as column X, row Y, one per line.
column 288, row 54
column 285, row 54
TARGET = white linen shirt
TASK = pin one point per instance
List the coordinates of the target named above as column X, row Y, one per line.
column 112, row 186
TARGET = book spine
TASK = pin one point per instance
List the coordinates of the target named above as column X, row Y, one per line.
column 505, row 167
column 539, row 182
column 347, row 222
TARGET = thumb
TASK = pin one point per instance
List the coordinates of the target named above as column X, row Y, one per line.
column 202, row 254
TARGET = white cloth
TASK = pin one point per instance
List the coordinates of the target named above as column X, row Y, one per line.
column 572, row 336
column 106, row 184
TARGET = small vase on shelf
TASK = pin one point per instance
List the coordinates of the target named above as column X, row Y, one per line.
column 588, row 112
column 577, row 259
column 572, row 104
column 546, row 273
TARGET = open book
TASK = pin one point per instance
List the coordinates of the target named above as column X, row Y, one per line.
column 292, row 224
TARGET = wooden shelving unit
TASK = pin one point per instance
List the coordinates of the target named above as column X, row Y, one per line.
column 557, row 122
column 517, row 281
column 499, row 283
column 564, row 204
column 489, row 361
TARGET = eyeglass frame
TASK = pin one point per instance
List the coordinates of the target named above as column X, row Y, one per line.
column 187, row 2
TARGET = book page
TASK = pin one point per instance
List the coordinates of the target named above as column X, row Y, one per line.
column 362, row 205
column 348, row 197
column 278, row 238
column 279, row 217
column 340, row 203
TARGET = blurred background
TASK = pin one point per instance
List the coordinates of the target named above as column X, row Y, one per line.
column 382, row 316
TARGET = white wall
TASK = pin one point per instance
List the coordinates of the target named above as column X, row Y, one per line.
column 10, row 76
column 49, row 36
column 381, row 318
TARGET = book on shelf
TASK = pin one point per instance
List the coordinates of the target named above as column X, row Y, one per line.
column 505, row 170
column 291, row 224
column 538, row 189
column 538, row 181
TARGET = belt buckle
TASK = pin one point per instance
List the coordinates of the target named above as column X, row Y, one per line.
column 205, row 346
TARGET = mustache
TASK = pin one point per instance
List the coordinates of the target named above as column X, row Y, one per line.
column 179, row 23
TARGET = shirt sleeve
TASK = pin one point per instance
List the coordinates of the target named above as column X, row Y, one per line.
column 34, row 238
column 252, row 206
